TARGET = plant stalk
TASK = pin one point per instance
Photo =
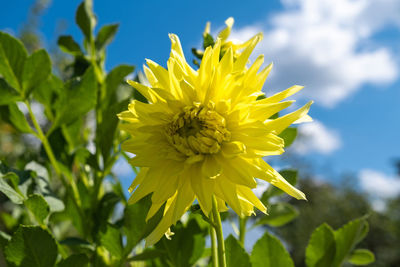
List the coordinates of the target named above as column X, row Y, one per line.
column 214, row 248
column 242, row 230
column 218, row 230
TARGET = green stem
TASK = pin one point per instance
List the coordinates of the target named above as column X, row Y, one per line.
column 218, row 230
column 214, row 248
column 43, row 139
column 50, row 153
column 242, row 229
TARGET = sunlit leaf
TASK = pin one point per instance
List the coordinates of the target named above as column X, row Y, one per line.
column 362, row 257
column 321, row 247
column 235, row 253
column 269, row 252
column 347, row 237
column 8, row 190
column 12, row 59
column 38, row 206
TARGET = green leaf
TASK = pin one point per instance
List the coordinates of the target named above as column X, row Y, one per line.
column 288, row 135
column 17, row 118
column 107, row 128
column 12, row 59
column 347, row 237
column 46, row 93
column 261, row 97
column 8, row 220
column 78, row 260
column 85, row 18
column 106, row 35
column 269, row 252
column 106, row 207
column 10, row 192
column 114, row 78
column 55, row 204
column 75, row 242
column 134, row 222
column 321, row 247
column 38, row 206
column 42, row 186
column 208, row 40
column 79, row 96
column 7, row 93
column 187, row 244
column 110, row 238
column 68, row 45
column 31, row 246
column 72, row 134
column 235, row 253
column 279, row 214
column 272, row 191
column 36, row 70
column 148, row 254
column 4, row 239
column 361, row 257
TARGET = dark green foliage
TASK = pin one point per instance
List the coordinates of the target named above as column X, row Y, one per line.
column 23, row 249
column 37, row 68
column 106, row 35
column 186, row 246
column 78, row 260
column 78, row 95
column 68, row 45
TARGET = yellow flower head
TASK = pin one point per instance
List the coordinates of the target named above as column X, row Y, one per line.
column 203, row 133
column 224, row 35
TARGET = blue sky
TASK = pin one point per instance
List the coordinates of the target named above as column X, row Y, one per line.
column 346, row 53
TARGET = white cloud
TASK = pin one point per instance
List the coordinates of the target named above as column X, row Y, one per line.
column 122, row 168
column 326, row 46
column 378, row 184
column 315, row 137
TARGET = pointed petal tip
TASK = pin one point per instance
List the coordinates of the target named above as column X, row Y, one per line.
column 130, row 82
column 259, row 36
column 229, row 22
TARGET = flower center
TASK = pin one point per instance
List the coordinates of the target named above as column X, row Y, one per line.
column 197, row 130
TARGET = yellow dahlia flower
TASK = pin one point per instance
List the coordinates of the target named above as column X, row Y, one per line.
column 203, row 133
column 224, row 35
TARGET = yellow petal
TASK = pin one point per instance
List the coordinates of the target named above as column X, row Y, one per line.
column 281, row 123
column 210, row 167
column 282, row 95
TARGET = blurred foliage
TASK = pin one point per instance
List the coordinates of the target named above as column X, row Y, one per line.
column 335, row 205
